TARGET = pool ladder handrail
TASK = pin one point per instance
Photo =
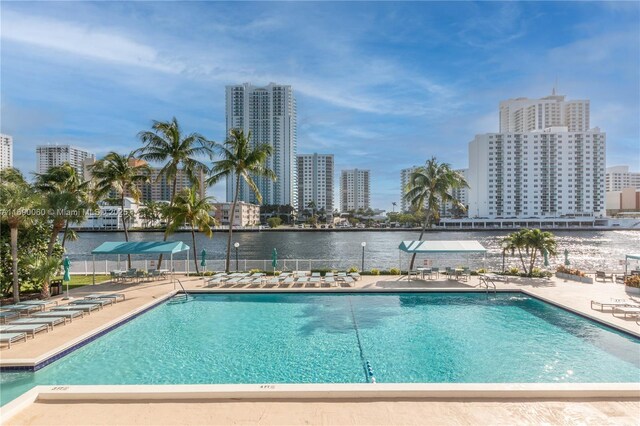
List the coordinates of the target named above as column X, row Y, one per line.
column 184, row 291
column 486, row 282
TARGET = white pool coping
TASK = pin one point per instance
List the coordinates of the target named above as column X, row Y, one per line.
column 337, row 391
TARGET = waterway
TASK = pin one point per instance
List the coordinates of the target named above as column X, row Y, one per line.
column 588, row 250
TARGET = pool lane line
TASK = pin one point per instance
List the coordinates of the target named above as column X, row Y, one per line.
column 366, row 365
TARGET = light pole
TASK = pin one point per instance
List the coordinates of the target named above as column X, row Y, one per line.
column 236, row 245
column 505, row 245
column 363, row 246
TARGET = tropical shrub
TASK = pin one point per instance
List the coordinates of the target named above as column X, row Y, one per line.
column 352, row 270
column 394, row 271
column 375, row 271
column 32, row 241
column 274, row 222
column 564, row 270
column 632, row 281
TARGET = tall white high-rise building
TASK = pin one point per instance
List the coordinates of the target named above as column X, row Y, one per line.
column 269, row 113
column 460, row 194
column 405, row 175
column 315, row 181
column 554, row 173
column 355, row 190
column 619, row 177
column 48, row 156
column 522, row 115
column 6, row 151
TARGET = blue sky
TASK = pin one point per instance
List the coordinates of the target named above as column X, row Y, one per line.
column 382, row 86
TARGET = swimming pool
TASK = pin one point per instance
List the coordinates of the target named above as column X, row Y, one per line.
column 347, row 338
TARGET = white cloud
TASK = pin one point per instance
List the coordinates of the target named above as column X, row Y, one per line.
column 103, row 44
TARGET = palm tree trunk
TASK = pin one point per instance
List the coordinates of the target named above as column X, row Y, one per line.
column 173, row 196
column 66, row 229
column 424, row 228
column 124, row 226
column 195, row 252
column 231, row 216
column 14, row 263
column 524, row 267
column 57, row 227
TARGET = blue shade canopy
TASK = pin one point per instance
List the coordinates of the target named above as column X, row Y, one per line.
column 152, row 247
column 442, row 247
column 633, row 256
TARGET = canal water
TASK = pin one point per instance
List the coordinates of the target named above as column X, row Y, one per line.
column 588, row 250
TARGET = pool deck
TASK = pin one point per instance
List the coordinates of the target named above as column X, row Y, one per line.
column 571, row 295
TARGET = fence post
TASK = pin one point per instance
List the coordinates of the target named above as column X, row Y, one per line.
column 309, row 264
column 297, row 265
column 245, row 265
column 264, row 265
column 106, row 265
column 86, row 272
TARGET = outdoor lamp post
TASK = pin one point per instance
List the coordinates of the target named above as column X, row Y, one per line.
column 364, row 244
column 236, row 245
column 505, row 245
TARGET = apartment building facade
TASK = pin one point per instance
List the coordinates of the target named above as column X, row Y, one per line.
column 246, row 214
column 6, row 151
column 355, row 190
column 269, row 113
column 315, row 181
column 48, row 156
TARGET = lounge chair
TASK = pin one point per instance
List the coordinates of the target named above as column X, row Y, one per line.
column 330, row 281
column 619, row 279
column 289, row 281
column 633, row 311
column 612, row 303
column 9, row 338
column 315, row 281
column 8, row 315
column 42, row 303
column 329, row 274
column 100, row 302
column 315, row 274
column 71, row 314
column 24, row 328
column 602, row 275
column 50, row 321
column 23, row 309
column 77, row 307
column 356, row 276
column 112, row 296
column 271, row 282
column 348, row 281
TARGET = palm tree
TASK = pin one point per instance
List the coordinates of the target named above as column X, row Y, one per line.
column 120, row 173
column 190, row 209
column 241, row 161
column 66, row 198
column 166, row 142
column 16, row 198
column 429, row 186
column 43, row 269
column 393, row 209
column 530, row 243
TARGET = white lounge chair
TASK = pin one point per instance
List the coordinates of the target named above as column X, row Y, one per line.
column 24, row 328
column 70, row 314
column 633, row 311
column 112, row 296
column 43, row 304
column 50, row 321
column 86, row 307
column 8, row 316
column 9, row 338
column 612, row 303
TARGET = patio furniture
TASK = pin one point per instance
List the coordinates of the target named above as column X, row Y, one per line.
column 8, row 315
column 619, row 279
column 602, row 275
column 330, row 281
column 633, row 311
column 424, row 272
column 70, row 314
column 315, row 281
column 465, row 274
column 22, row 309
column 612, row 303
column 31, row 329
column 42, row 303
column 435, row 270
column 113, row 296
column 97, row 301
column 10, row 338
column 348, row 281
column 49, row 321
column 356, row 276
column 79, row 307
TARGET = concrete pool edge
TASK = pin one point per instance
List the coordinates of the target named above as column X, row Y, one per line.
column 336, row 391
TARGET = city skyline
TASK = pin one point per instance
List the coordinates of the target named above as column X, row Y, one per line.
column 382, row 86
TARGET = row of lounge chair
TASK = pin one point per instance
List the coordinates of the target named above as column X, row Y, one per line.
column 619, row 307
column 295, row 279
column 25, row 319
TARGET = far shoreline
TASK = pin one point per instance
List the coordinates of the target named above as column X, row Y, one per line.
column 293, row 229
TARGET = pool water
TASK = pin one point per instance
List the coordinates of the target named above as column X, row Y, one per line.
column 331, row 338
